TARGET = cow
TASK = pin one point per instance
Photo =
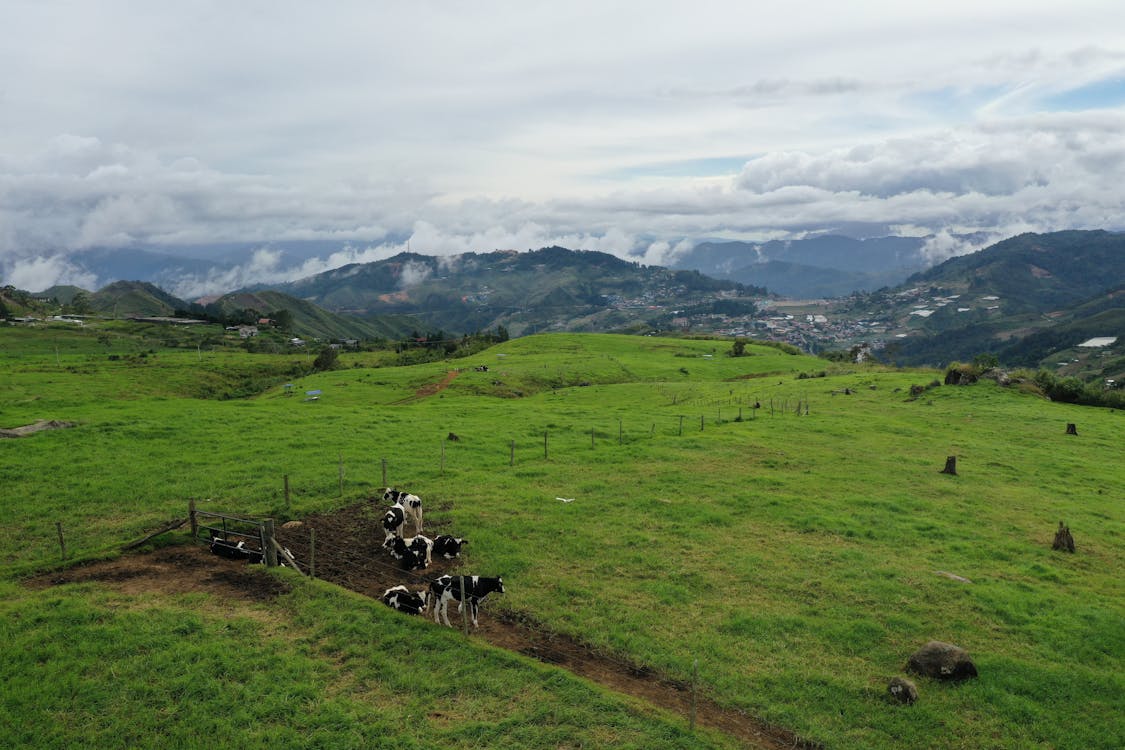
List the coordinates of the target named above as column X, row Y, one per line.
column 414, row 552
column 411, row 505
column 404, row 600
column 235, row 550
column 447, row 546
column 393, row 521
column 447, row 588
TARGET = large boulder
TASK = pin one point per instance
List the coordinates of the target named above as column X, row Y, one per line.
column 942, row 661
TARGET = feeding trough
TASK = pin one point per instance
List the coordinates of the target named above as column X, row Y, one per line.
column 312, row 395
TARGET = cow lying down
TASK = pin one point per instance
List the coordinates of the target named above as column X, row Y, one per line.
column 404, row 600
column 448, row 588
column 235, row 550
column 414, row 552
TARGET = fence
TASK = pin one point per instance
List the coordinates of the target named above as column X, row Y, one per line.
column 223, row 526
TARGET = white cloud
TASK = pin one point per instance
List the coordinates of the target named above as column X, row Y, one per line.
column 38, row 274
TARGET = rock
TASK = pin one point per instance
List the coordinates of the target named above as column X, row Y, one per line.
column 942, row 661
column 902, row 690
column 292, row 524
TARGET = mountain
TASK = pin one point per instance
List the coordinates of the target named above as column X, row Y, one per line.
column 824, row 266
column 1026, row 299
column 548, row 289
column 801, row 281
column 123, row 299
column 1036, row 272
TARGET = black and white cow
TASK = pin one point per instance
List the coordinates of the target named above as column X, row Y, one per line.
column 404, row 600
column 448, row 588
column 411, row 505
column 392, row 523
column 235, row 550
column 447, row 546
column 414, row 552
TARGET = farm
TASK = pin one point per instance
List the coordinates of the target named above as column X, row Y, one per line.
column 785, row 560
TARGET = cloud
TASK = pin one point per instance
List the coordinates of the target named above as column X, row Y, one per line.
column 38, row 274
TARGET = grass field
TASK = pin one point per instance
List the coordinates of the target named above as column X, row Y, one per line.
column 794, row 556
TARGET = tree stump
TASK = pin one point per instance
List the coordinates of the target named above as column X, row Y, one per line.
column 1063, row 540
column 1071, row 429
column 950, row 466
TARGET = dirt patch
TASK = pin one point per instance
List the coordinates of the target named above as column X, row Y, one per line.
column 430, row 389
column 30, row 429
column 348, row 547
column 173, row 570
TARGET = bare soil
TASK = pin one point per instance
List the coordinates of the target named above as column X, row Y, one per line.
column 348, row 552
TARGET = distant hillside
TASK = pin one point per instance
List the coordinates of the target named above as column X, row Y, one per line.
column 1026, row 299
column 549, row 289
column 1036, row 272
column 800, row 281
column 825, row 266
column 309, row 320
column 123, row 299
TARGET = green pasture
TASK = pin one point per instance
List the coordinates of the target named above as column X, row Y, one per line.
column 795, row 555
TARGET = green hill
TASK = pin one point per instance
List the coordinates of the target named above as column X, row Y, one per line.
column 309, row 320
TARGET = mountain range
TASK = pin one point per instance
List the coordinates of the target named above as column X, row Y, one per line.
column 1030, row 299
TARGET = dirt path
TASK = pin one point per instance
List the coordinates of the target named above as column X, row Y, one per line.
column 348, row 553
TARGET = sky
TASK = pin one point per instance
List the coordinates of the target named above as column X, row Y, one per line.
column 636, row 128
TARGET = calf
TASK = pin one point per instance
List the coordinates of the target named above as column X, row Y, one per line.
column 411, row 504
column 404, row 600
column 447, row 546
column 392, row 523
column 447, row 588
column 235, row 550
column 414, row 552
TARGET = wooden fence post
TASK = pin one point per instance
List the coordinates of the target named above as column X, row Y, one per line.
column 512, row 454
column 464, row 607
column 694, row 680
column 544, row 443
column 191, row 517
column 312, row 553
column 443, row 458
column 950, row 466
column 341, row 477
column 385, row 473
column 267, row 543
column 701, row 423
column 591, row 437
column 620, row 432
column 681, row 424
column 286, row 492
column 62, row 542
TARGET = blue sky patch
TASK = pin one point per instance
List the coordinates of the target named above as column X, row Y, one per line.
column 1099, row 95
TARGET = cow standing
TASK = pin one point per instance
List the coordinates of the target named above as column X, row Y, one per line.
column 448, row 588
column 410, row 504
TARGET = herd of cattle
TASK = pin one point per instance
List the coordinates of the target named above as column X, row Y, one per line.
column 417, row 553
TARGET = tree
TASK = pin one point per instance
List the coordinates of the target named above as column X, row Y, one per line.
column 282, row 319
column 985, row 361
column 326, row 360
column 738, row 348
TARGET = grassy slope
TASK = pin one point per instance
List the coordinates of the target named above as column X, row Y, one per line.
column 794, row 556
